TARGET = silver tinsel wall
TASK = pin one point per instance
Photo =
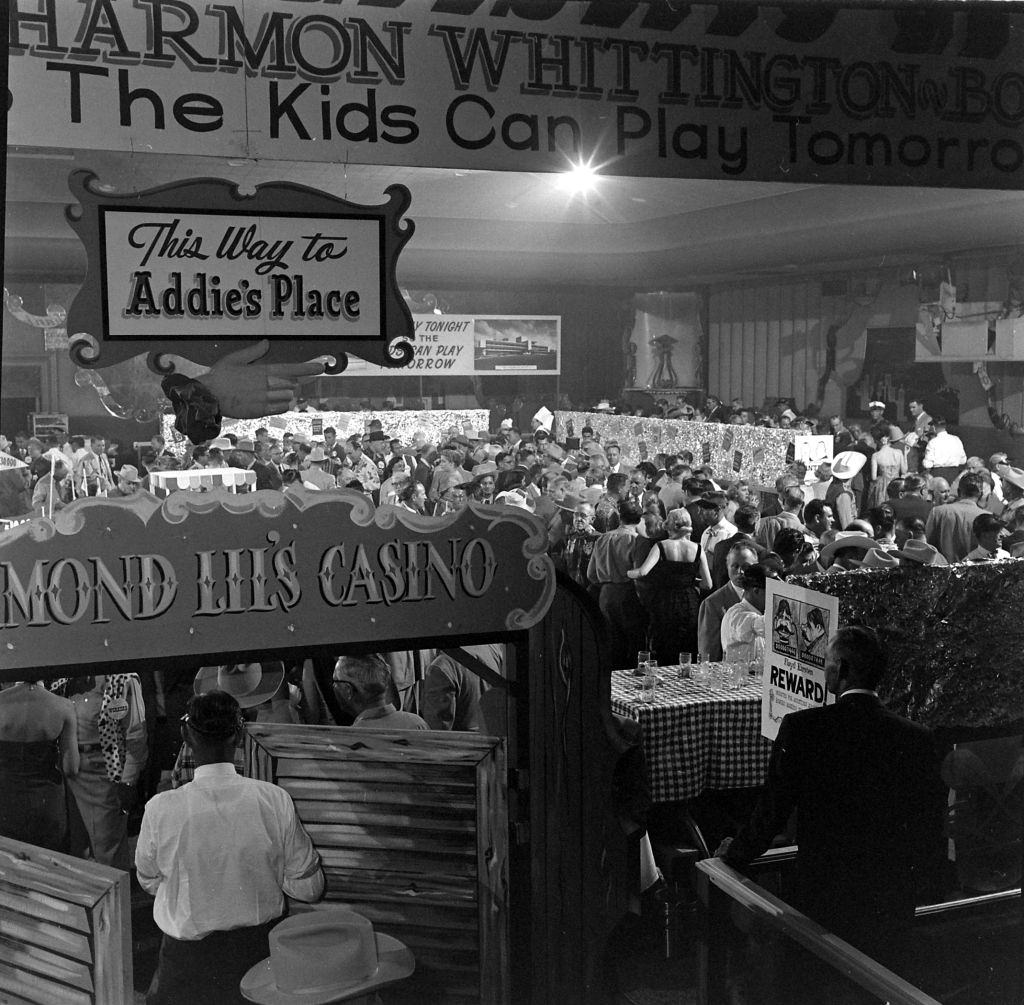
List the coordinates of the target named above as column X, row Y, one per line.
column 436, row 425
column 954, row 637
column 756, row 453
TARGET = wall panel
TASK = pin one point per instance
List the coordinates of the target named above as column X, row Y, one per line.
column 764, row 353
column 768, row 341
column 802, row 299
column 740, row 376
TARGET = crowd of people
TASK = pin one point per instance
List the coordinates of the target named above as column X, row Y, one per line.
column 661, row 543
column 84, row 768
column 676, row 554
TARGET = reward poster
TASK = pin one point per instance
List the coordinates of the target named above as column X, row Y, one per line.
column 799, row 625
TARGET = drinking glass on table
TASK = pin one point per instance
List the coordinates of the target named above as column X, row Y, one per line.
column 685, row 661
column 648, row 688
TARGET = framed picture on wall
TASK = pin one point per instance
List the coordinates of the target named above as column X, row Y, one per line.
column 49, row 424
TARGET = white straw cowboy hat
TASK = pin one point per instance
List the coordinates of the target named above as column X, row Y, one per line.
column 1015, row 476
column 514, row 497
column 921, row 553
column 326, row 956
column 876, row 558
column 846, row 539
column 847, row 464
column 250, row 684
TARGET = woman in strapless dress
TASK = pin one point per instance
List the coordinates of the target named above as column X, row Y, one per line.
column 38, row 747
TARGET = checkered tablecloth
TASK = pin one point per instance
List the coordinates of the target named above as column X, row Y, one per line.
column 696, row 737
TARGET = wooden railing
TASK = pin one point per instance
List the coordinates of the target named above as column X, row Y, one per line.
column 719, row 885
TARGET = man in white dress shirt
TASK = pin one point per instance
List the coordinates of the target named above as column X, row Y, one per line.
column 719, row 530
column 945, row 455
column 219, row 855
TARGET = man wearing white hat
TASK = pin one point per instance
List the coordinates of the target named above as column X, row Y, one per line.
column 845, row 551
column 845, row 466
column 244, row 453
column 876, row 411
column 315, row 477
column 128, row 482
column 219, row 854
column 543, row 418
column 1013, row 490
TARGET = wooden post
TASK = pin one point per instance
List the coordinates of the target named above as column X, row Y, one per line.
column 712, row 949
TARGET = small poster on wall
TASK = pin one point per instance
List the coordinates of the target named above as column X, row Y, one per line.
column 464, row 345
column 799, row 625
column 813, row 450
column 49, row 424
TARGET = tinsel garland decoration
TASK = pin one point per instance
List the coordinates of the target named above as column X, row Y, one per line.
column 757, row 453
column 954, row 637
column 436, row 425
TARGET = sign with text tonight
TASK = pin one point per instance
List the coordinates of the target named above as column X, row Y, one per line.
column 206, row 573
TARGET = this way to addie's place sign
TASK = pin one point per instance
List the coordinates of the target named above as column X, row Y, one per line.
column 187, row 269
column 181, row 273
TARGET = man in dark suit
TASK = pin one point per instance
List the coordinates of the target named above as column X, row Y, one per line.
column 268, row 475
column 743, row 554
column 870, row 803
column 745, row 518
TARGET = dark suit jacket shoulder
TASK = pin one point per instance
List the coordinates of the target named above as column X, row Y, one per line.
column 870, row 804
column 709, row 621
column 267, row 476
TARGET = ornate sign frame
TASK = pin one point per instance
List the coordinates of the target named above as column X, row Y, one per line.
column 112, row 579
column 281, row 203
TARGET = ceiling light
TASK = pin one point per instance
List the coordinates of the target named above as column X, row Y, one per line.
column 578, row 180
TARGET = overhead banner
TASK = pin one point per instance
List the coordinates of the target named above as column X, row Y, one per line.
column 469, row 345
column 799, row 625
column 111, row 579
column 905, row 95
